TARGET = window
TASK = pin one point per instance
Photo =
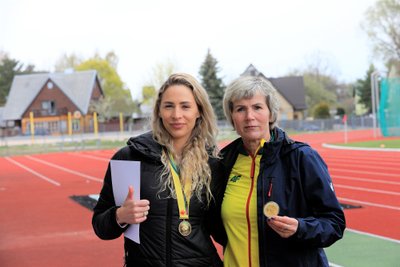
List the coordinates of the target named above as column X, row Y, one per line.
column 76, row 125
column 50, row 85
column 49, row 107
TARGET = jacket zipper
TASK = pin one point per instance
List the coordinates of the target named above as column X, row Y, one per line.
column 252, row 170
column 270, row 188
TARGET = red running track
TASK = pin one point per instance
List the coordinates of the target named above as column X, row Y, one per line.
column 41, row 226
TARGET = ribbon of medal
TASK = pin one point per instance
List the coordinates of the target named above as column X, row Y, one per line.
column 183, row 198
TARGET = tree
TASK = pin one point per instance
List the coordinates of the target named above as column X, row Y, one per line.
column 8, row 69
column 316, row 91
column 67, row 62
column 103, row 107
column 340, row 111
column 322, row 86
column 149, row 93
column 113, row 87
column 213, row 85
column 321, row 111
column 382, row 24
column 160, row 73
column 363, row 89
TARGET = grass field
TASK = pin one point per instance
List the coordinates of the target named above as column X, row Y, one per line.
column 41, row 147
column 363, row 250
column 387, row 143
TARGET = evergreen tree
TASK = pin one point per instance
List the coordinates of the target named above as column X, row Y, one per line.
column 363, row 89
column 213, row 85
column 8, row 69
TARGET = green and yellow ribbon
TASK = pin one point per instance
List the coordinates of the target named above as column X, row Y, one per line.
column 182, row 196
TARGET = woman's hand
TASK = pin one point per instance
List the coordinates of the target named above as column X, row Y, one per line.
column 132, row 211
column 283, row 225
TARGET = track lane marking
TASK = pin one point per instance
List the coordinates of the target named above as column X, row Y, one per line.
column 369, row 203
column 363, row 172
column 47, row 179
column 368, row 190
column 364, row 179
column 344, row 165
column 66, row 169
column 91, row 157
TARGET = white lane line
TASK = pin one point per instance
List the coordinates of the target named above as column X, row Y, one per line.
column 369, row 203
column 365, row 157
column 368, row 190
column 364, row 179
column 363, row 160
column 91, row 157
column 363, row 165
column 66, row 170
column 363, row 172
column 373, row 235
column 361, row 148
column 47, row 179
column 334, row 265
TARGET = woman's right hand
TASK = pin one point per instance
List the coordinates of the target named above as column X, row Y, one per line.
column 132, row 211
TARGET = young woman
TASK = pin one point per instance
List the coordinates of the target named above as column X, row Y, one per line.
column 179, row 161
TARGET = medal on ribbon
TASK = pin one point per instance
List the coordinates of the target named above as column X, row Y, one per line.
column 182, row 197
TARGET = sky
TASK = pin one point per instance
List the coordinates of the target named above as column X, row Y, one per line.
column 277, row 37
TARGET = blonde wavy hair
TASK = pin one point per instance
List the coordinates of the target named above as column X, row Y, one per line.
column 193, row 163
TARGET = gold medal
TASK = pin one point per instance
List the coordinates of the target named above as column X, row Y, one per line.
column 185, row 228
column 271, row 209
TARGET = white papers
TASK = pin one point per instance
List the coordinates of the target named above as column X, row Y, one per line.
column 126, row 173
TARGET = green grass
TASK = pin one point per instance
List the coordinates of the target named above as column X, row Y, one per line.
column 390, row 143
column 357, row 249
column 39, row 148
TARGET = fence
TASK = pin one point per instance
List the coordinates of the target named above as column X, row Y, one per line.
column 110, row 136
column 389, row 108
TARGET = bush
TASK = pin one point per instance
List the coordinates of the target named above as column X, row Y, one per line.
column 321, row 111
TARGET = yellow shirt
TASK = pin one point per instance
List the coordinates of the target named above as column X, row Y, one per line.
column 239, row 213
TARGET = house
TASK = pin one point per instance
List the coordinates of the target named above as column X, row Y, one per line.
column 291, row 94
column 48, row 99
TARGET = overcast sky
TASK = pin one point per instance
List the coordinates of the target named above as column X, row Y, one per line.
column 275, row 36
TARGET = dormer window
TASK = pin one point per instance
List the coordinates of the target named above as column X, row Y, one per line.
column 50, row 85
column 49, row 107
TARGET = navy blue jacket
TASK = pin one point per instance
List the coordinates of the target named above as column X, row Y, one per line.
column 302, row 187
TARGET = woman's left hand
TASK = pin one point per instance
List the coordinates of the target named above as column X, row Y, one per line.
column 283, row 225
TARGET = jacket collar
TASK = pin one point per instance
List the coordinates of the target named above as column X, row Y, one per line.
column 280, row 146
column 145, row 145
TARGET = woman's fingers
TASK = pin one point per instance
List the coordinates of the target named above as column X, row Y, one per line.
column 283, row 225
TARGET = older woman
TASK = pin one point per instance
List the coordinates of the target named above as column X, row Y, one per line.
column 279, row 206
column 179, row 195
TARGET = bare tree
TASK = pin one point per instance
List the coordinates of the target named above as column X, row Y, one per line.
column 382, row 24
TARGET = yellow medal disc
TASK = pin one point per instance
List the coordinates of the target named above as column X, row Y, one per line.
column 185, row 228
column 271, row 209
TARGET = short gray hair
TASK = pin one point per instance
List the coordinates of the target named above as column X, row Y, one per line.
column 246, row 87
